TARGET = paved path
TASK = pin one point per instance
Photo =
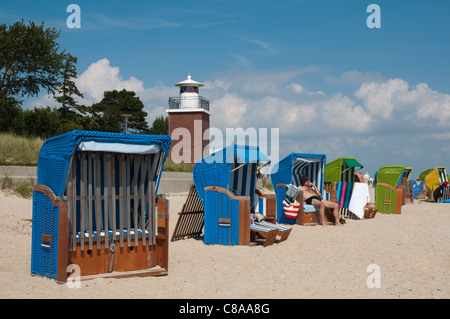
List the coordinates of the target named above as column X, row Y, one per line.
column 18, row 173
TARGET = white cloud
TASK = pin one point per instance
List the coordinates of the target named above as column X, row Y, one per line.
column 340, row 112
column 378, row 97
column 430, row 103
column 395, row 100
column 100, row 76
column 229, row 111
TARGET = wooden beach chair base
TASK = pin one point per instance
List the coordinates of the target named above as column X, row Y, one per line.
column 282, row 232
column 313, row 218
column 120, row 258
column 263, row 234
column 370, row 212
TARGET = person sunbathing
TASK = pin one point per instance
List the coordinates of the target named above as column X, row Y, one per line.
column 312, row 196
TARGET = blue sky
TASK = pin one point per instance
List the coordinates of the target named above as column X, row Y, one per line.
column 313, row 69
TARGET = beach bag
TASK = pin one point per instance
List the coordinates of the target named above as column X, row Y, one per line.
column 291, row 211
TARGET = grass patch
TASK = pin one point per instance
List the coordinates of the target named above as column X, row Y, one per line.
column 24, row 189
column 267, row 184
column 18, row 150
column 171, row 166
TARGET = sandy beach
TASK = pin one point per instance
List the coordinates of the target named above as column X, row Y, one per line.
column 410, row 251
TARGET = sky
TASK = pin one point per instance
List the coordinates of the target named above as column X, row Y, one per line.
column 312, row 69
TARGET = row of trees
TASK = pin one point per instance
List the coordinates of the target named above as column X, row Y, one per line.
column 30, row 62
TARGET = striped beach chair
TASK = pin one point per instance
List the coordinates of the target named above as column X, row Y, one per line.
column 226, row 184
column 96, row 205
column 290, row 171
column 437, row 179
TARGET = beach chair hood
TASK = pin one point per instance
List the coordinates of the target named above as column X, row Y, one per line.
column 341, row 169
column 233, row 168
column 390, row 174
column 56, row 153
column 291, row 169
column 435, row 177
column 424, row 173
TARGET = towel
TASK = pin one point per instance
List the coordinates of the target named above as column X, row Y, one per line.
column 344, row 193
column 291, row 195
column 360, row 197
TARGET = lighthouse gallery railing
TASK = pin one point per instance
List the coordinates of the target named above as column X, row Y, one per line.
column 175, row 102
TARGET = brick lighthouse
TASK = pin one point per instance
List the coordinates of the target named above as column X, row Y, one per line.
column 188, row 120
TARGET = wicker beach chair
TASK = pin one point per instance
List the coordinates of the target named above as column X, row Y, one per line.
column 289, row 171
column 226, row 184
column 96, row 205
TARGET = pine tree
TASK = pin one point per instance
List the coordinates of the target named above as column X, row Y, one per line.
column 120, row 111
column 67, row 89
column 160, row 126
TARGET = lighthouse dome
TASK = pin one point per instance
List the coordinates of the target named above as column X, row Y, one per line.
column 189, row 82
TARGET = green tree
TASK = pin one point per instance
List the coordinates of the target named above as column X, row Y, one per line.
column 9, row 110
column 119, row 110
column 67, row 88
column 160, row 126
column 72, row 115
column 30, row 59
column 41, row 122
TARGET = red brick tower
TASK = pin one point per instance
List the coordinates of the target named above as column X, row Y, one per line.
column 188, row 120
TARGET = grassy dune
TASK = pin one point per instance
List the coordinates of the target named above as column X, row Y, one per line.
column 19, row 150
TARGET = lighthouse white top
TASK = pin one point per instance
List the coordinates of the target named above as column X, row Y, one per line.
column 189, row 82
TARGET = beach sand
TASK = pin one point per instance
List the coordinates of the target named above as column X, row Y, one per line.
column 411, row 254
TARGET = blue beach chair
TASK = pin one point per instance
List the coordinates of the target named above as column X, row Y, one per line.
column 96, row 205
column 290, row 171
column 226, row 184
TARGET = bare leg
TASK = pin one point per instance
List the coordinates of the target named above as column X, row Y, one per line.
column 321, row 205
column 335, row 208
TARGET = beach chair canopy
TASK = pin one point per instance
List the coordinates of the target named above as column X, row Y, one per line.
column 424, row 173
column 291, row 169
column 408, row 172
column 56, row 154
column 390, row 174
column 342, row 170
column 435, row 177
column 233, row 168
